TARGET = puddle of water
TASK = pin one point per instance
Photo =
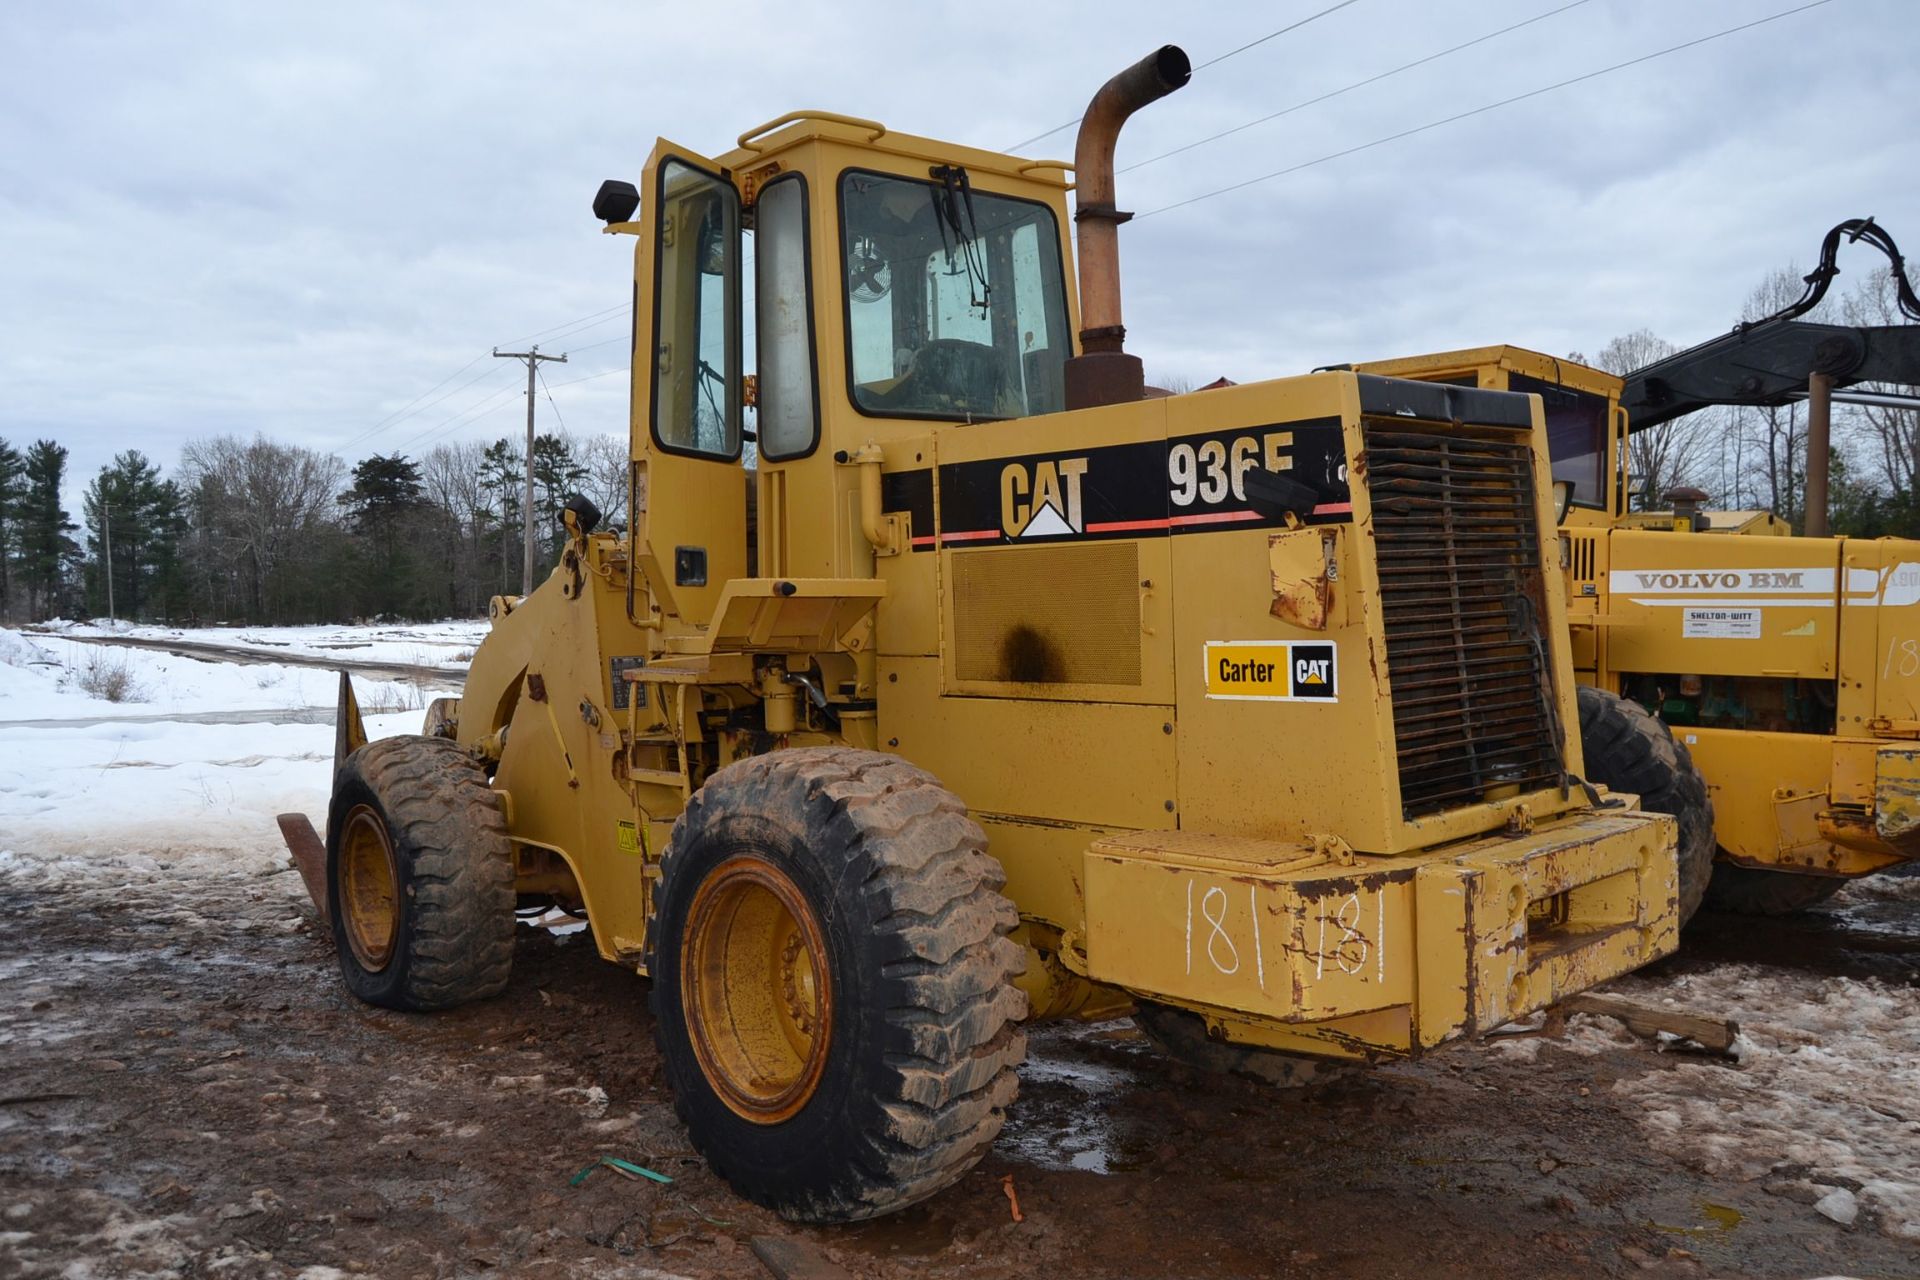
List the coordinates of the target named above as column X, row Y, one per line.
column 1062, row 1121
column 918, row 1232
column 1720, row 1219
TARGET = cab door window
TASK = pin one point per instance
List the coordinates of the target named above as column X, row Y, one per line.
column 696, row 381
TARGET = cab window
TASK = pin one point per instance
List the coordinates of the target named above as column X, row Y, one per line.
column 956, row 303
column 696, row 290
column 1576, row 436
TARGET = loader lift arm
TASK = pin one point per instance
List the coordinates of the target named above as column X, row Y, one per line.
column 1767, row 361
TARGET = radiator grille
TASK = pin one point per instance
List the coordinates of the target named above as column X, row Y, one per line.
column 1059, row 614
column 1462, row 601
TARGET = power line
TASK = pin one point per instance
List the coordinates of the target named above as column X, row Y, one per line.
column 619, row 337
column 625, row 306
column 587, row 323
column 1357, row 84
column 478, row 377
column 405, row 408
column 579, row 324
column 604, row 373
column 1491, row 106
column 549, row 390
column 1312, row 17
column 456, row 419
column 1271, row 34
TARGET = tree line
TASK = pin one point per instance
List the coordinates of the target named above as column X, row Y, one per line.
column 1755, row 458
column 261, row 532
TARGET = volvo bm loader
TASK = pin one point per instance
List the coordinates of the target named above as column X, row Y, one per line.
column 1786, row 669
column 996, row 691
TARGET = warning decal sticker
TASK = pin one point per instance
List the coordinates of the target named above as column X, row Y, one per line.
column 1273, row 670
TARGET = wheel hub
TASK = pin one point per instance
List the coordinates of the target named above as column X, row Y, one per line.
column 369, row 888
column 756, row 989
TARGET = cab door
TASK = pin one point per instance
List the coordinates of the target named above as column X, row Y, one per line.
column 690, row 515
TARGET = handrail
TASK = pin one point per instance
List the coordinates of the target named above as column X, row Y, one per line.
column 1030, row 165
column 746, row 139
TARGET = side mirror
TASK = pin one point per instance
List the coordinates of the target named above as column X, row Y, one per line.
column 615, row 201
column 1562, row 500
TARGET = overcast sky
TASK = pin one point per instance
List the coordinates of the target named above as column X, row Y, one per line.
column 297, row 219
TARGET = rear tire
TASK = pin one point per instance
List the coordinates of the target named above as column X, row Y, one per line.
column 833, row 983
column 1627, row 749
column 1754, row 891
column 1182, row 1036
column 419, row 876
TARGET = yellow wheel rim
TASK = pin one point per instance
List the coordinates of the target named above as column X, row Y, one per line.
column 756, row 988
column 369, row 888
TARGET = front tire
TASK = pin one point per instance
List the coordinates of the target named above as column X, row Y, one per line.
column 1627, row 749
column 833, row 983
column 419, row 876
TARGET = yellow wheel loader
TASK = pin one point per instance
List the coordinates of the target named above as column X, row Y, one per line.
column 996, row 690
column 1785, row 671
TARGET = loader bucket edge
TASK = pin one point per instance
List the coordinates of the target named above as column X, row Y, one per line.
column 349, row 731
column 309, row 856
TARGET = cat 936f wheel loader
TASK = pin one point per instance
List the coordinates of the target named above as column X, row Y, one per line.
column 996, row 690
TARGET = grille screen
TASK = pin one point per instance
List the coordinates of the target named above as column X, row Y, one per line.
column 1462, row 602
column 1060, row 614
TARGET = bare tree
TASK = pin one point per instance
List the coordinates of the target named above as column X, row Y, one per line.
column 608, row 466
column 452, row 480
column 1891, row 436
column 252, row 504
column 1664, row 457
column 1777, row 435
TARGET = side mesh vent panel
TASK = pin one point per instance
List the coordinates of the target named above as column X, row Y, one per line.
column 1583, row 546
column 1462, row 601
column 1061, row 614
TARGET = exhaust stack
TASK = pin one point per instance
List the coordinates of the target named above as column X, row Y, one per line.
column 1104, row 373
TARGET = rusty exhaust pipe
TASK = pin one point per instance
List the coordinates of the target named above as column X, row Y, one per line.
column 1104, row 373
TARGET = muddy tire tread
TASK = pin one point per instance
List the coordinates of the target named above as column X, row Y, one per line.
column 946, row 1075
column 1629, row 749
column 457, row 868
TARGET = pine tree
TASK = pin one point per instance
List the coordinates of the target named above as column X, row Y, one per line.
column 13, row 490
column 503, row 475
column 556, row 477
column 144, row 516
column 384, row 499
column 47, row 548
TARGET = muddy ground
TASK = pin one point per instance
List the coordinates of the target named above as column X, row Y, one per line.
column 187, row 1090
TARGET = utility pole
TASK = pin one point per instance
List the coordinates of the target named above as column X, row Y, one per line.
column 533, row 358
column 1819, row 436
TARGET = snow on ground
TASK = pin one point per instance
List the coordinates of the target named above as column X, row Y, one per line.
column 1827, row 1097
column 44, row 677
column 417, row 644
column 145, row 785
